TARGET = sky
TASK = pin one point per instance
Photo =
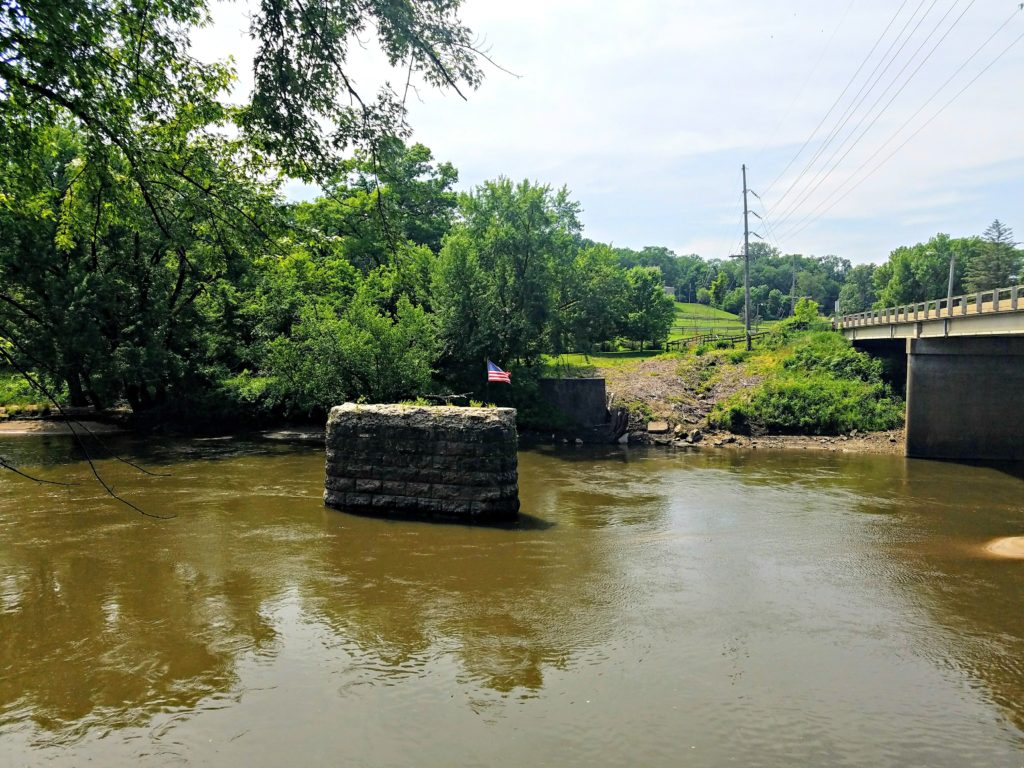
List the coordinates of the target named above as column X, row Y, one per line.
column 647, row 110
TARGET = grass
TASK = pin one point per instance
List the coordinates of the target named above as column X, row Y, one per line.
column 578, row 365
column 698, row 319
column 703, row 311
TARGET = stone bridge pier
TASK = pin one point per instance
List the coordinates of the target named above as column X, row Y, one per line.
column 965, row 398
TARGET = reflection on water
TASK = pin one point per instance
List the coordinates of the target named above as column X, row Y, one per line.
column 655, row 608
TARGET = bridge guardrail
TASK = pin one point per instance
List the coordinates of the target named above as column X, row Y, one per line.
column 999, row 300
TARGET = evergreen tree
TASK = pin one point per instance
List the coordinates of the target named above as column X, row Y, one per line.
column 997, row 263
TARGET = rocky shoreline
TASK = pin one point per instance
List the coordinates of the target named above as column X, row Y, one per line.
column 891, row 442
column 656, row 434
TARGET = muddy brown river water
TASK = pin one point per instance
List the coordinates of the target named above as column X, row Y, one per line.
column 652, row 608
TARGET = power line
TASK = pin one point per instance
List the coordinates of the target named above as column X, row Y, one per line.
column 810, row 73
column 865, row 90
column 801, row 226
column 822, row 175
column 839, row 98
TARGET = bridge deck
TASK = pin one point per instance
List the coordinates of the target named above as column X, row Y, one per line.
column 993, row 312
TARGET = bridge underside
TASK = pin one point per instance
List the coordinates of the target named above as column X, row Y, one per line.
column 965, row 398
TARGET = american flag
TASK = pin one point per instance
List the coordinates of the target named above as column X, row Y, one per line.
column 494, row 373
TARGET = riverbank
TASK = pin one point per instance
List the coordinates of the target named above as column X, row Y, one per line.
column 48, row 426
column 805, row 390
column 890, row 443
column 877, row 442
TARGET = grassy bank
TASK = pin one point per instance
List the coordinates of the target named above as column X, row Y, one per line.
column 811, row 383
column 698, row 319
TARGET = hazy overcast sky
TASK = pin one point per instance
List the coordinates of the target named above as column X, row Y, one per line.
column 646, row 110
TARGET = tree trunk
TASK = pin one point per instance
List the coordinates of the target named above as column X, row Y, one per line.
column 76, row 396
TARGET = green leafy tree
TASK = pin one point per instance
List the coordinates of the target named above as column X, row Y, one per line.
column 495, row 285
column 378, row 205
column 921, row 271
column 719, row 288
column 589, row 302
column 362, row 351
column 649, row 312
column 858, row 291
column 115, row 66
column 105, row 286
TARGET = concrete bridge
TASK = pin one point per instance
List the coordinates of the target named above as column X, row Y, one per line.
column 964, row 363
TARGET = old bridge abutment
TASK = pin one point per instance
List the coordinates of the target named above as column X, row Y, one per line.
column 438, row 462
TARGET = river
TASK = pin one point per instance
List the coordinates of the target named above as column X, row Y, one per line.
column 652, row 608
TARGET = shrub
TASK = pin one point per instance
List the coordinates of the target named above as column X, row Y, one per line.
column 818, row 404
column 805, row 318
column 15, row 390
column 828, row 352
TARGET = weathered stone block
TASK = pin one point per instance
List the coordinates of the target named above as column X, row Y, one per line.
column 454, row 463
column 368, row 486
column 339, row 483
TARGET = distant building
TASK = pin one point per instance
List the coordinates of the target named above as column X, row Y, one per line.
column 670, row 292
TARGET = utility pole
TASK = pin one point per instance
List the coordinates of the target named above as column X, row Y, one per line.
column 746, row 260
column 949, row 290
column 792, row 290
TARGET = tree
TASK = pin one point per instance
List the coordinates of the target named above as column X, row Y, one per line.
column 363, row 351
column 858, row 291
column 377, row 207
column 499, row 273
column 775, row 304
column 589, row 302
column 104, row 284
column 997, row 262
column 921, row 272
column 115, row 66
column 649, row 312
column 719, row 288
column 125, row 202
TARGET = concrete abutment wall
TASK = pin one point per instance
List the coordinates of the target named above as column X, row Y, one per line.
column 426, row 462
column 965, row 398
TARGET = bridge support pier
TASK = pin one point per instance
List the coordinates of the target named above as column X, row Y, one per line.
column 965, row 398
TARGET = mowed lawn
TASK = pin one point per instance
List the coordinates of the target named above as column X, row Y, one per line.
column 697, row 319
column 577, row 364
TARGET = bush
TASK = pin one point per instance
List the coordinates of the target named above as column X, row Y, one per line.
column 805, row 318
column 823, row 386
column 816, row 405
column 828, row 352
column 14, row 389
